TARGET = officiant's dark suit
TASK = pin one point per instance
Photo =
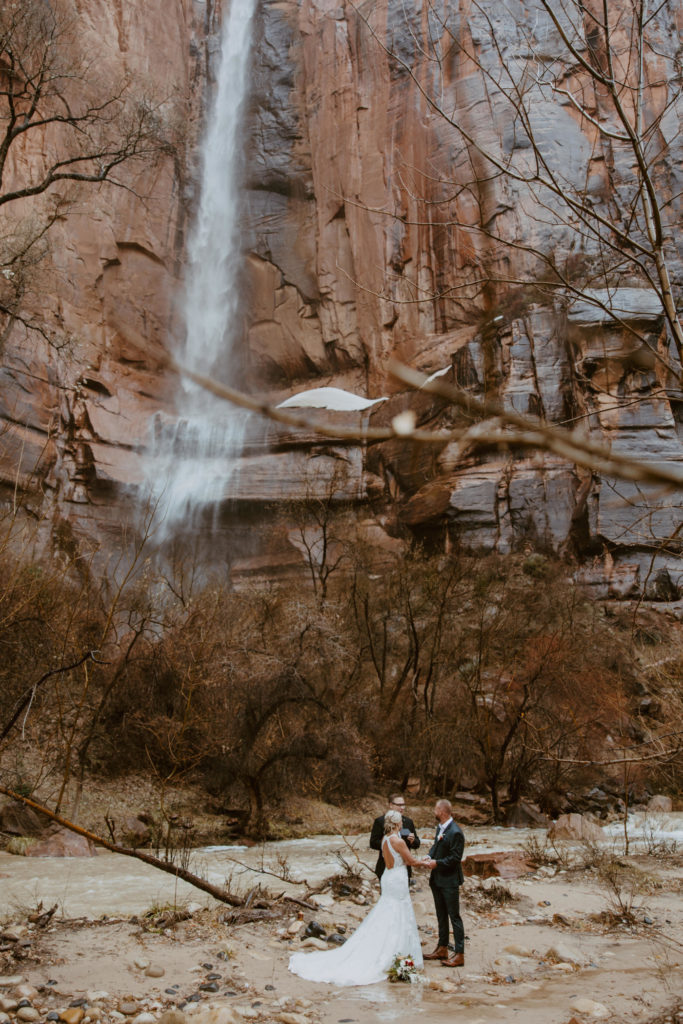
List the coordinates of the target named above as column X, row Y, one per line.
column 445, row 881
column 377, row 835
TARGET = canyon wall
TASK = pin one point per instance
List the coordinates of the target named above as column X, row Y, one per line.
column 363, row 210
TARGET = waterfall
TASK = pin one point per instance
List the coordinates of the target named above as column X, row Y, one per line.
column 194, row 455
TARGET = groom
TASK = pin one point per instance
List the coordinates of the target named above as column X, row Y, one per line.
column 445, row 881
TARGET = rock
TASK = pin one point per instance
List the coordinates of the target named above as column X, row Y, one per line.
column 315, row 929
column 178, row 1017
column 25, row 991
column 144, row 1018
column 590, row 1008
column 60, row 842
column 660, row 804
column 314, row 943
column 575, row 826
column 27, row 1013
column 516, row 950
column 72, row 1015
column 8, row 1005
column 287, row 1017
column 323, row 900
column 10, row 980
column 128, row 1007
column 442, row 985
column 212, row 1014
column 96, row 995
column 154, row 971
column 134, row 833
column 336, row 939
column 503, row 864
column 18, row 820
column 564, row 953
column 525, row 815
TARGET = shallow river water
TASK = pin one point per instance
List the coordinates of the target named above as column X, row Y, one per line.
column 112, row 884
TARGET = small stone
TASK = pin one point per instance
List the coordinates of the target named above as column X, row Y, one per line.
column 209, row 986
column 26, row 991
column 97, row 996
column 79, row 1002
column 93, row 1013
column 336, row 939
column 270, row 988
column 213, row 976
column 8, row 1005
column 27, row 1013
column 72, row 1015
column 10, row 980
column 154, row 972
column 292, row 1018
column 141, row 965
column 172, row 1017
column 128, row 1008
column 314, row 943
column 23, row 1003
column 144, row 1018
column 4, row 1018
column 53, row 1015
column 590, row 1008
column 207, row 967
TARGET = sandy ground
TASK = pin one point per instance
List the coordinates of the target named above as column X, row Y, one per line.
column 533, row 959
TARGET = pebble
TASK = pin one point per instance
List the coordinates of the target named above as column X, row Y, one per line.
column 27, row 1013
column 155, row 972
column 8, row 1005
column 590, row 1008
column 141, row 965
column 10, row 980
column 96, row 996
column 292, row 1018
column 314, row 943
column 93, row 1013
column 209, row 986
column 26, row 992
column 172, row 1017
column 4, row 1017
column 144, row 1018
column 72, row 1015
column 129, row 1009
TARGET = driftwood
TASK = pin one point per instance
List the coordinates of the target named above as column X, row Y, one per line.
column 163, row 865
column 216, row 891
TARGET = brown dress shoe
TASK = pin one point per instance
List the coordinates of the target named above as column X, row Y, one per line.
column 457, row 960
column 440, row 953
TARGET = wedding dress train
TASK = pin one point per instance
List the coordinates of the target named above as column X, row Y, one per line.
column 389, row 930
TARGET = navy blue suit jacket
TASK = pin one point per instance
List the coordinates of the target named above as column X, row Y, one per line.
column 447, row 852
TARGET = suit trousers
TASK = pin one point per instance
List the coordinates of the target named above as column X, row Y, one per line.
column 447, row 905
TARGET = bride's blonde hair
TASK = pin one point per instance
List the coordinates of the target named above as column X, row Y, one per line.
column 391, row 820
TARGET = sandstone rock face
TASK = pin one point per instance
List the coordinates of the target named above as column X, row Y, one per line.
column 362, row 210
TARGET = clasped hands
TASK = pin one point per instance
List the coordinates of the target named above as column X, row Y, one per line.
column 428, row 862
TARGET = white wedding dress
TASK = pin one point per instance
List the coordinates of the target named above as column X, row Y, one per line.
column 389, row 929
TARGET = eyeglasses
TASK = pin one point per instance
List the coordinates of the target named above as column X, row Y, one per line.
column 395, row 803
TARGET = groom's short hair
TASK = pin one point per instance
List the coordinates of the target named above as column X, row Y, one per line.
column 446, row 804
column 393, row 797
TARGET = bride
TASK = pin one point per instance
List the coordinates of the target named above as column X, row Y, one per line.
column 388, row 931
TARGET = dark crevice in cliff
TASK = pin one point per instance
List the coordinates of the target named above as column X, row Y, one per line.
column 136, row 247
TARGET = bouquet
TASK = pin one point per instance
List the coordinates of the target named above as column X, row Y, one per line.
column 403, row 969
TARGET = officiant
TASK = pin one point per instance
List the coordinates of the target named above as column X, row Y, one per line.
column 408, row 832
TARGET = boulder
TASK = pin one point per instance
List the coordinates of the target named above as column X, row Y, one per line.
column 60, row 842
column 18, row 820
column 660, row 804
column 134, row 832
column 503, row 864
column 525, row 815
column 575, row 826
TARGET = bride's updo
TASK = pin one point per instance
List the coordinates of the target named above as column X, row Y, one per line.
column 391, row 820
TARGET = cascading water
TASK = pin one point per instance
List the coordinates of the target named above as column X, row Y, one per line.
column 194, row 456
